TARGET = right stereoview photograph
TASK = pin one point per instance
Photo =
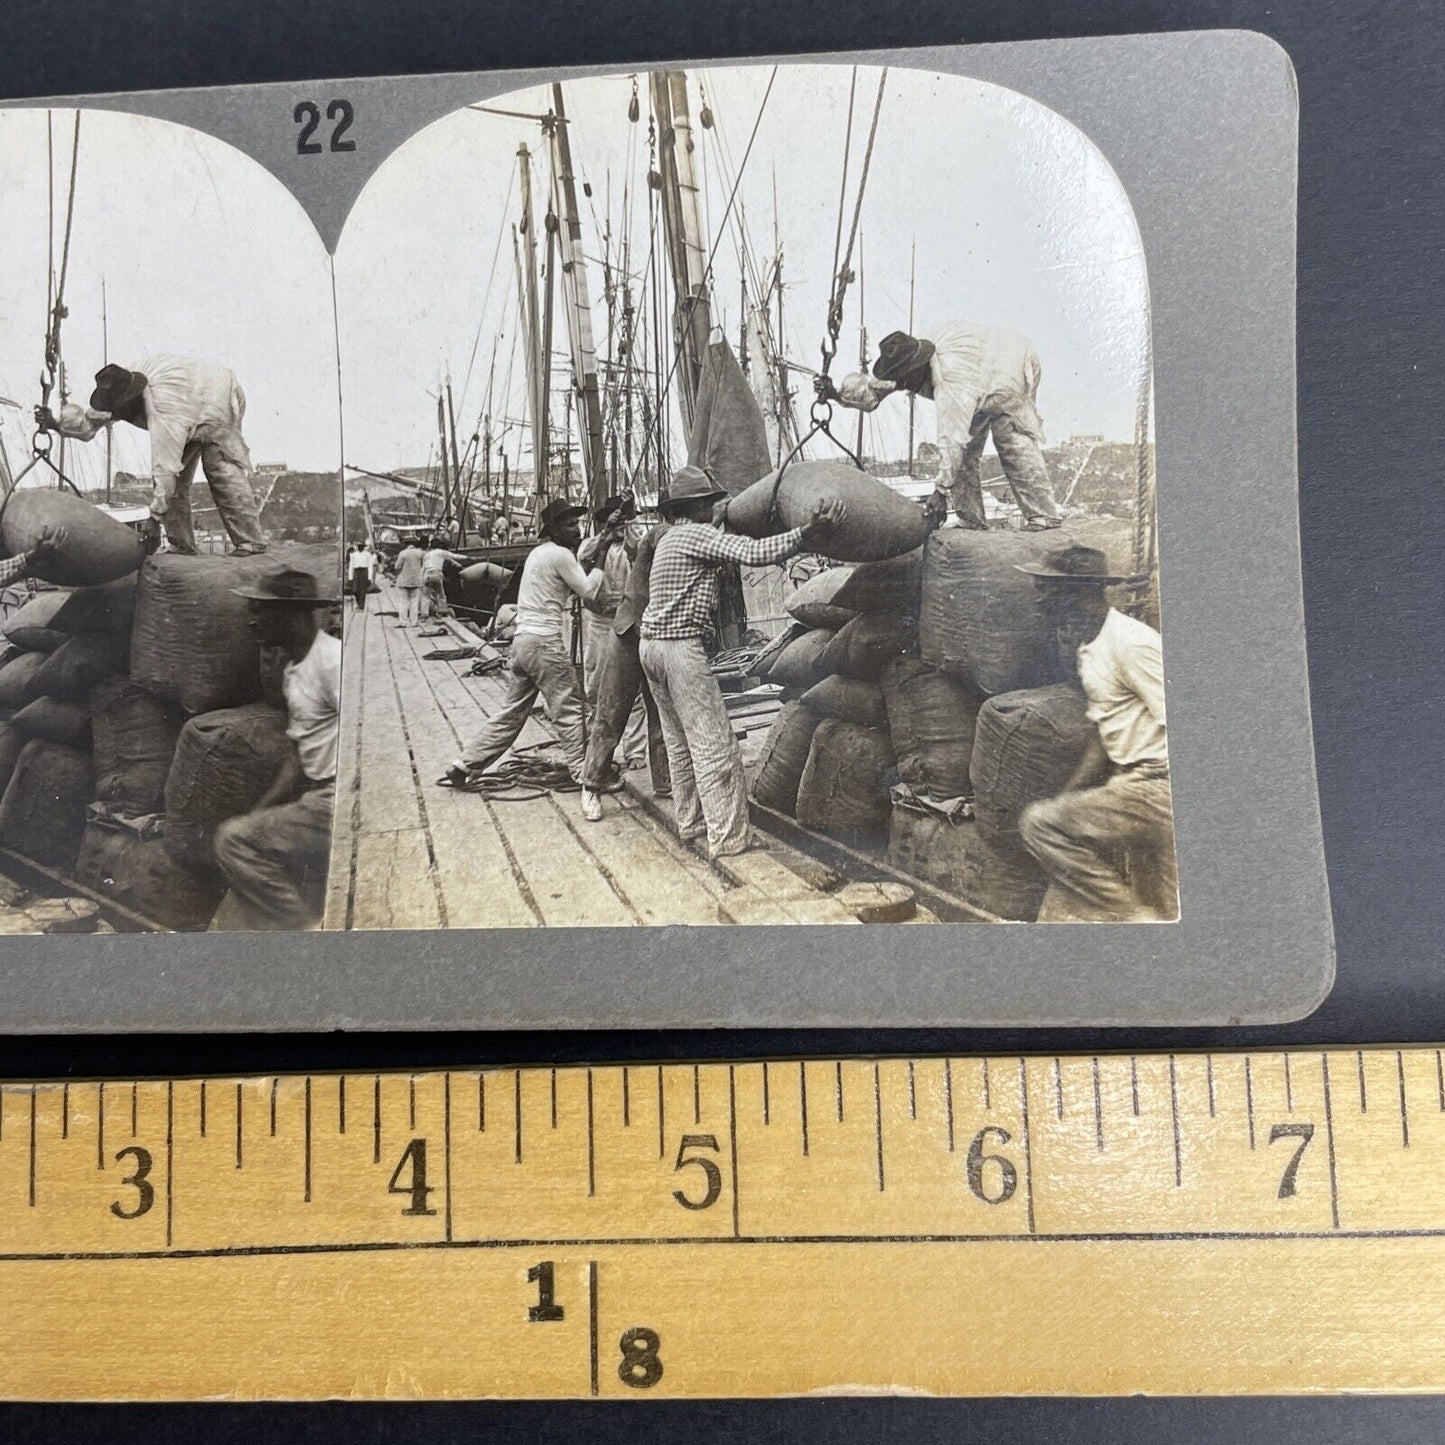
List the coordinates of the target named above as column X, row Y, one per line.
column 750, row 514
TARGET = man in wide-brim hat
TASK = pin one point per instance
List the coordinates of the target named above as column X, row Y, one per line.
column 193, row 410
column 551, row 577
column 709, row 787
column 275, row 856
column 983, row 381
column 1107, row 840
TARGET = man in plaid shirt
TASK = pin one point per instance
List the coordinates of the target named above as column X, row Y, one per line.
column 709, row 787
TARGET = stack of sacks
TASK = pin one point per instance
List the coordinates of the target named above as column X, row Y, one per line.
column 96, row 744
column 844, row 787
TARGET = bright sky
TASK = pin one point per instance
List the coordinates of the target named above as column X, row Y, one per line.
column 1018, row 221
column 203, row 253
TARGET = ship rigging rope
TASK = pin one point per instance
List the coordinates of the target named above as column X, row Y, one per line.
column 842, row 273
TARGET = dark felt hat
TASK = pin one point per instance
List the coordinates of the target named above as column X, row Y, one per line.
column 615, row 504
column 115, row 387
column 284, row 586
column 1074, row 563
column 689, row 484
column 899, row 355
column 557, row 511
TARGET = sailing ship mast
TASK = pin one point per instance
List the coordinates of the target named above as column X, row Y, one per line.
column 682, row 227
column 578, row 300
column 524, row 241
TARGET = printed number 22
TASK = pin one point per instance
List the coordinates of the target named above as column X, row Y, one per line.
column 308, row 116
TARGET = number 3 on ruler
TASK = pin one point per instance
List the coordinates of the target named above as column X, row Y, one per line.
column 308, row 116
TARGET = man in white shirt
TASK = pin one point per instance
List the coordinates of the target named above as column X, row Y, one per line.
column 1107, row 840
column 275, row 857
column 193, row 411
column 982, row 380
column 362, row 564
column 551, row 577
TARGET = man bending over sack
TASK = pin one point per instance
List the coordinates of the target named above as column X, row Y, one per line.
column 275, row 856
column 709, row 787
column 981, row 379
column 551, row 577
column 193, row 411
column 1107, row 840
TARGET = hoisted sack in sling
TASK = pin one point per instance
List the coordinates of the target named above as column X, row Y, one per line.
column 224, row 763
column 983, row 620
column 97, row 548
column 134, row 742
column 192, row 641
column 33, row 625
column 800, row 665
column 849, row 700
column 862, row 647
column 844, row 788
column 880, row 523
column 931, row 719
column 42, row 814
column 785, row 755
column 142, row 875
column 1026, row 747
column 894, row 586
column 812, row 604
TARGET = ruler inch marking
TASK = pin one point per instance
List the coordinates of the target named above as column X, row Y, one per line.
column 803, row 1101
column 733, row 1142
column 696, row 1095
column 878, row 1121
column 307, row 1141
column 838, row 1077
column 375, row 1119
column 481, row 1101
column 554, row 1098
column 987, row 1093
column 626, row 1097
column 1134, row 1081
column 1098, row 1110
column 275, row 1085
column 1440, row 1079
column 239, row 1115
column 134, row 1110
column 447, row 1151
column 591, row 1149
column 1249, row 1099
column 1404, row 1108
column 170, row 1161
column 1174, row 1118
column 1059, row 1089
column 1330, row 1139
column 203, row 1106
column 1288, row 1085
column 1028, row 1144
column 948, row 1098
column 661, row 1117
column 592, row 1310
column 99, row 1125
column 912, row 1093
column 767, row 1102
column 341, row 1104
column 65, row 1110
column 1209, row 1080
column 411, row 1102
column 1360, row 1066
column 32, row 1146
column 517, row 1110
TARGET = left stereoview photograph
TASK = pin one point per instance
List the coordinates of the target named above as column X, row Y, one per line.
column 170, row 522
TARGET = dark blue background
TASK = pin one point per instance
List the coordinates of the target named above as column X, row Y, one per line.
column 1372, row 233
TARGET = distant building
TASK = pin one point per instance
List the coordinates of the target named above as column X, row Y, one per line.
column 1086, row 439
column 271, row 468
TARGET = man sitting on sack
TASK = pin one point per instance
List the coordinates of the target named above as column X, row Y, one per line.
column 275, row 857
column 1107, row 840
column 709, row 786
column 551, row 577
column 981, row 379
column 193, row 411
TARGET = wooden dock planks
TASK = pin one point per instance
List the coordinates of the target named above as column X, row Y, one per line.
column 410, row 855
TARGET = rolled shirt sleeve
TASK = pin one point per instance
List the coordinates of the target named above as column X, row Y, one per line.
column 12, row 569
column 708, row 544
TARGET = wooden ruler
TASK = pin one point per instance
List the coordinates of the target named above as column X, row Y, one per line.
column 1183, row 1223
